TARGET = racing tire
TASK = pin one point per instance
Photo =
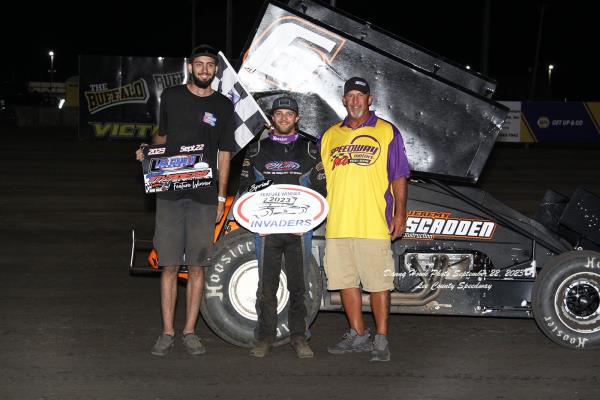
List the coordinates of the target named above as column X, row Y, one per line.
column 228, row 307
column 566, row 299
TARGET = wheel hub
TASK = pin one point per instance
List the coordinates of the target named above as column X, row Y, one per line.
column 577, row 302
column 242, row 290
column 582, row 299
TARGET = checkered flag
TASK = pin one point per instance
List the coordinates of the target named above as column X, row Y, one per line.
column 250, row 120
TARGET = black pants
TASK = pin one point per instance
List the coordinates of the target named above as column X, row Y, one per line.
column 295, row 249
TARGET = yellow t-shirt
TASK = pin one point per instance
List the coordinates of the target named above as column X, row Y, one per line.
column 360, row 165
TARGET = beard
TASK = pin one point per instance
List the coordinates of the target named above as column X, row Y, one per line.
column 356, row 114
column 200, row 83
column 284, row 130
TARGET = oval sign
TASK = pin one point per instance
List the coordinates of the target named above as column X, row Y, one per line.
column 281, row 209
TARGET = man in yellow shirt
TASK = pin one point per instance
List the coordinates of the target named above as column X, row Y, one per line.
column 366, row 171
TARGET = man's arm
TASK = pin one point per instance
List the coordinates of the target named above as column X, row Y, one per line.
column 398, row 171
column 224, row 164
column 398, row 224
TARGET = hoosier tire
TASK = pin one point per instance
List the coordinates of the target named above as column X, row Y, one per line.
column 230, row 289
column 566, row 299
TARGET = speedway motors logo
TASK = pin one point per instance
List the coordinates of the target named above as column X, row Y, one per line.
column 431, row 225
column 363, row 151
column 134, row 92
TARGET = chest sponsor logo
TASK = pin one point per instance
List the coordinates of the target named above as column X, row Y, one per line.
column 430, row 225
column 363, row 151
column 209, row 119
column 282, row 166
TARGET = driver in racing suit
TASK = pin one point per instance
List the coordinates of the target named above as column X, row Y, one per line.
column 285, row 158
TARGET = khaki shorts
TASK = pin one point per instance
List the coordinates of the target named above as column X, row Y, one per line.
column 350, row 262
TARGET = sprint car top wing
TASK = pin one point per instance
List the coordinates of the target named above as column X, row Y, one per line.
column 444, row 113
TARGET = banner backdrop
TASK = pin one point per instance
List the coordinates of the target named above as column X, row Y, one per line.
column 511, row 128
column 551, row 122
column 119, row 96
column 559, row 122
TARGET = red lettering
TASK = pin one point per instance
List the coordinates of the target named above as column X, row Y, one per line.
column 340, row 160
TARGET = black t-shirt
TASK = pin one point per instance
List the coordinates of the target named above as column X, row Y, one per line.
column 189, row 119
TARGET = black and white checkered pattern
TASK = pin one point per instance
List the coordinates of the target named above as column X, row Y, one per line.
column 249, row 118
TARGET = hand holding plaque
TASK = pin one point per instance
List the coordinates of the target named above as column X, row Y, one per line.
column 184, row 169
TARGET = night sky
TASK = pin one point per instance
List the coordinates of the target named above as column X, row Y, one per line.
column 452, row 29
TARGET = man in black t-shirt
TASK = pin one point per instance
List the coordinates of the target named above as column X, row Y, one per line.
column 192, row 113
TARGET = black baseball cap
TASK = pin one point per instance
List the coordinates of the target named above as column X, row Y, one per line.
column 285, row 103
column 357, row 83
column 204, row 50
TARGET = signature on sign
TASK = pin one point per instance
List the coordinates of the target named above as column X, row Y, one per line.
column 276, row 205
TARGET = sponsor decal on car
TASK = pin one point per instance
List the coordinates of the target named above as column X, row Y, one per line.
column 429, row 225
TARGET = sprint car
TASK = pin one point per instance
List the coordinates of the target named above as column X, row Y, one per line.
column 464, row 252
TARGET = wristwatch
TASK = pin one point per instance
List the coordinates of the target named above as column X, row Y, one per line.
column 221, row 199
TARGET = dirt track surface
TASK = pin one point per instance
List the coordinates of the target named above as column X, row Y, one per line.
column 75, row 324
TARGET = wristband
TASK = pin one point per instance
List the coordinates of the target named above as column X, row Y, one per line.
column 221, row 199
